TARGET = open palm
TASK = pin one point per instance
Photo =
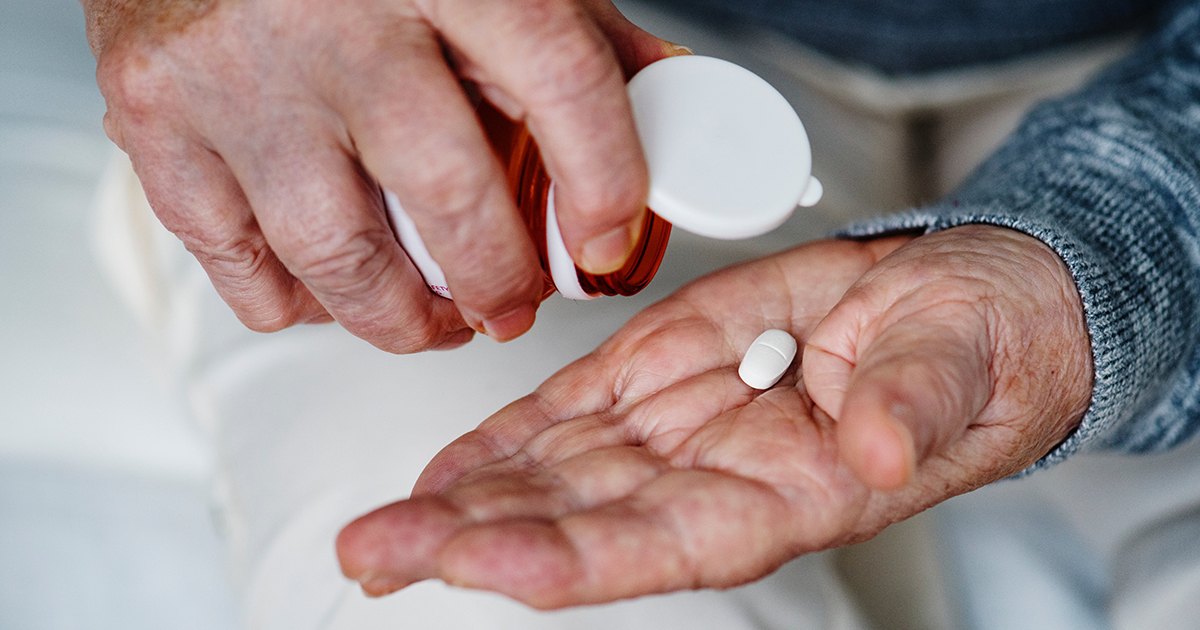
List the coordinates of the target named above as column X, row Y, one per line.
column 648, row 466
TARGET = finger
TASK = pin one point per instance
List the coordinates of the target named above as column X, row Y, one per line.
column 570, row 466
column 660, row 423
column 558, row 467
column 521, row 487
column 324, row 219
column 395, row 545
column 605, row 399
column 398, row 544
column 416, row 131
column 553, row 60
column 683, row 529
column 908, row 393
column 634, row 47
column 195, row 195
column 829, row 357
column 677, row 530
column 583, row 388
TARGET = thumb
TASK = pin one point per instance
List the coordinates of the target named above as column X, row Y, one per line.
column 901, row 386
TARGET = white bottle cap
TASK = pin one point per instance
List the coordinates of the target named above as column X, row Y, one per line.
column 728, row 156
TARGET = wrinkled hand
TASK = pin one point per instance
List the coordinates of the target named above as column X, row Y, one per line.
column 943, row 348
column 648, row 466
column 260, row 128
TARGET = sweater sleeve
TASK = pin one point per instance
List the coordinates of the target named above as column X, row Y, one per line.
column 1109, row 177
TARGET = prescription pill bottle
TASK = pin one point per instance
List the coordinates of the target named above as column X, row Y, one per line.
column 728, row 159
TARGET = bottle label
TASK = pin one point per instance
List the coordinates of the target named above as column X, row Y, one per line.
column 410, row 240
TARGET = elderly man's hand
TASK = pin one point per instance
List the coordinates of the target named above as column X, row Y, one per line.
column 648, row 466
column 260, row 129
column 962, row 357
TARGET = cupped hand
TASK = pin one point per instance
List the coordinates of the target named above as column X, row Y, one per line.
column 262, row 130
column 946, row 346
column 648, row 466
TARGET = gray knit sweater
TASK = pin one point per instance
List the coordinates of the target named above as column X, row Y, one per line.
column 905, row 37
column 1109, row 178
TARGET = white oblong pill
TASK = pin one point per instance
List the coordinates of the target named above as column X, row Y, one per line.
column 767, row 359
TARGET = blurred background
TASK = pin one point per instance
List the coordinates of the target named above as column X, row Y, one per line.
column 105, row 518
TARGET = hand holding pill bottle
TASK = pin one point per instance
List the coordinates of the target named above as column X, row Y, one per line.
column 728, row 159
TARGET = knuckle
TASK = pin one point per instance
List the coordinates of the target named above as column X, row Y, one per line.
column 409, row 327
column 135, row 83
column 234, row 253
column 264, row 321
column 352, row 276
column 246, row 275
column 344, row 264
column 451, row 185
column 112, row 129
column 504, row 287
column 610, row 202
column 582, row 64
column 417, row 334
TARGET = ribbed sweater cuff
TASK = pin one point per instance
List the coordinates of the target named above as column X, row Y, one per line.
column 1109, row 178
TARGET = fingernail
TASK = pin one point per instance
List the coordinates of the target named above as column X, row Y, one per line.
column 370, row 575
column 375, row 583
column 906, row 421
column 378, row 587
column 679, row 49
column 902, row 412
column 609, row 251
column 318, row 318
column 457, row 340
column 510, row 325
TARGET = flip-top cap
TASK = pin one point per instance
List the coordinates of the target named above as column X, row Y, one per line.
column 728, row 156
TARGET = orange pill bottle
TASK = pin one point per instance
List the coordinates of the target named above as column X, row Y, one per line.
column 727, row 154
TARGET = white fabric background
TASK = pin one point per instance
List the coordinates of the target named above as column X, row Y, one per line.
column 105, row 519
